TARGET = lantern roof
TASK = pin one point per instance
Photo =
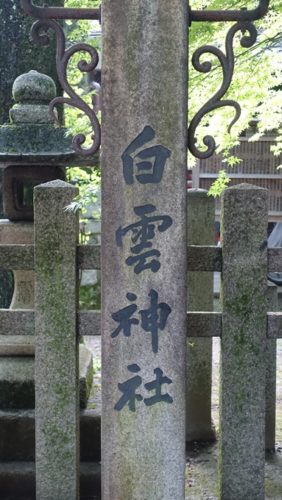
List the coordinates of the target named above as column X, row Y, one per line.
column 34, row 135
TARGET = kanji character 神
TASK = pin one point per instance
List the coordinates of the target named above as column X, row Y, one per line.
column 123, row 317
column 153, row 319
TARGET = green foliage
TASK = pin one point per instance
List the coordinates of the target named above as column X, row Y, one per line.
column 97, row 366
column 79, row 31
column 88, row 181
column 232, row 161
column 90, row 296
column 256, row 79
column 219, row 184
column 256, row 84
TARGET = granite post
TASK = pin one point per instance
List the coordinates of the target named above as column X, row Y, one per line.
column 244, row 321
column 270, row 384
column 200, row 231
column 144, row 249
column 56, row 343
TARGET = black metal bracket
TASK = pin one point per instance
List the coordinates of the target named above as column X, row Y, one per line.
column 244, row 24
column 47, row 17
column 230, row 15
column 47, row 21
column 226, row 61
column 40, row 35
column 195, row 15
column 58, row 12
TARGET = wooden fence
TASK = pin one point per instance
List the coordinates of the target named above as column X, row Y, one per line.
column 257, row 166
column 56, row 321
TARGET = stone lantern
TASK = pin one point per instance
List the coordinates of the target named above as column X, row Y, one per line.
column 33, row 150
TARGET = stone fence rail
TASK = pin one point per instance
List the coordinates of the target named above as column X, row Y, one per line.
column 200, row 324
column 246, row 329
column 199, row 258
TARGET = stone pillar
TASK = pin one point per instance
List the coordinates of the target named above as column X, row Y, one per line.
column 200, row 227
column 270, row 385
column 56, row 351
column 244, row 307
column 144, row 249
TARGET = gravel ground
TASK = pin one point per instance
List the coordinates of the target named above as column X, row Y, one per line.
column 201, row 470
column 201, row 476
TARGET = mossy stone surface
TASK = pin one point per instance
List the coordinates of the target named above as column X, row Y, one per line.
column 244, row 308
column 144, row 450
column 18, row 54
column 85, row 374
column 56, row 360
column 34, row 140
column 200, row 231
column 34, row 86
column 17, row 380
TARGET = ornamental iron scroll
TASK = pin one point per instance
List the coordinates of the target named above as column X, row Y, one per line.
column 40, row 35
column 226, row 62
column 46, row 20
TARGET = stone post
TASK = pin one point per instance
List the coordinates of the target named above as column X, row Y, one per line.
column 200, row 227
column 270, row 384
column 144, row 249
column 244, row 307
column 56, row 351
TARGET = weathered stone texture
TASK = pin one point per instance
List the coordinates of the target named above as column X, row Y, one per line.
column 17, row 371
column 16, row 382
column 270, row 384
column 56, row 355
column 10, row 234
column 244, row 305
column 200, row 229
column 144, row 450
column 18, row 54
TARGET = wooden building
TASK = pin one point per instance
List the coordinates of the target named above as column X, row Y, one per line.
column 258, row 166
